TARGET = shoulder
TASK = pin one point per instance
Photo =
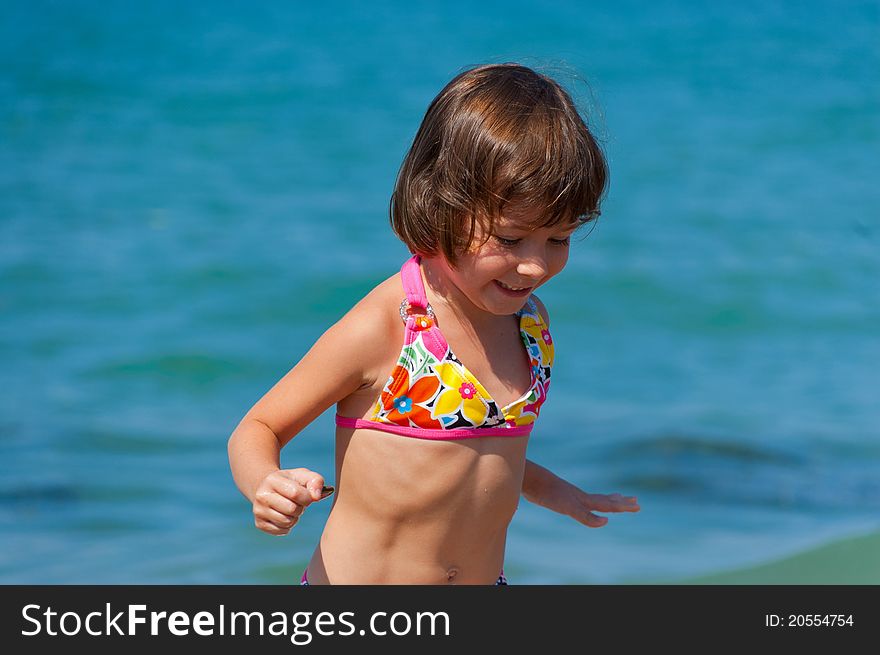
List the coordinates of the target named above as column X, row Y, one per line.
column 376, row 315
column 542, row 309
column 346, row 358
column 372, row 329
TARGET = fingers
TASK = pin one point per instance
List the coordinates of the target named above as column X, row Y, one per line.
column 275, row 523
column 282, row 498
column 302, row 486
column 269, row 518
column 592, row 520
column 283, row 520
column 613, row 503
column 604, row 503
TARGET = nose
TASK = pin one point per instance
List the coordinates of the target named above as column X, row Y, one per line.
column 534, row 267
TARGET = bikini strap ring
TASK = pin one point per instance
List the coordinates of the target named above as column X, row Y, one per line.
column 405, row 308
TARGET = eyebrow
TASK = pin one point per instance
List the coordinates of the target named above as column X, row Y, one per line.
column 524, row 228
column 517, row 233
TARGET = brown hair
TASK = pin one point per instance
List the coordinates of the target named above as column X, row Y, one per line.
column 496, row 134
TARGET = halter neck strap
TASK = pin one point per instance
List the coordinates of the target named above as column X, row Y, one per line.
column 411, row 277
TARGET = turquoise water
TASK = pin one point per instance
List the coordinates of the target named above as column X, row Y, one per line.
column 176, row 180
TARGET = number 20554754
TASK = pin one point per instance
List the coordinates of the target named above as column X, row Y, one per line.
column 807, row 620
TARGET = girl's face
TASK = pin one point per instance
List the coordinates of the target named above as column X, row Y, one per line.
column 499, row 275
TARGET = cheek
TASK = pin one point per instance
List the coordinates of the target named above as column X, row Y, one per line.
column 489, row 263
column 558, row 260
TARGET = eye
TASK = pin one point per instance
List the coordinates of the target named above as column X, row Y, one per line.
column 507, row 243
column 561, row 242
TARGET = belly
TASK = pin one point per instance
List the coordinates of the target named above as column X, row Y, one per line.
column 421, row 511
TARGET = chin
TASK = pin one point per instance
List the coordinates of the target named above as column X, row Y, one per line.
column 507, row 308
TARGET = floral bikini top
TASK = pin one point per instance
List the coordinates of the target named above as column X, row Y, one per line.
column 432, row 395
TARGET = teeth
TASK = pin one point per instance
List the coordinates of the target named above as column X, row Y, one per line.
column 511, row 288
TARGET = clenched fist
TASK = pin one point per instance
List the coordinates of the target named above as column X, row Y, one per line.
column 283, row 495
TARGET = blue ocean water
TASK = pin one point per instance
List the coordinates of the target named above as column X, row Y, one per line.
column 190, row 194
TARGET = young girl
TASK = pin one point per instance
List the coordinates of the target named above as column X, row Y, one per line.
column 440, row 372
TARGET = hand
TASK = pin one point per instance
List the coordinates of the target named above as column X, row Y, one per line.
column 282, row 496
column 543, row 487
column 585, row 504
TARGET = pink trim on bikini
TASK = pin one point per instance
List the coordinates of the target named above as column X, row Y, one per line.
column 428, row 433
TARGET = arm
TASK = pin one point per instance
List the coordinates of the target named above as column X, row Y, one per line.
column 331, row 370
column 543, row 487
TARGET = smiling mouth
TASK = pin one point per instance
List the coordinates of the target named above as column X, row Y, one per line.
column 513, row 290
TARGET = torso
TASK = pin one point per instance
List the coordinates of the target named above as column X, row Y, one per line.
column 410, row 510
